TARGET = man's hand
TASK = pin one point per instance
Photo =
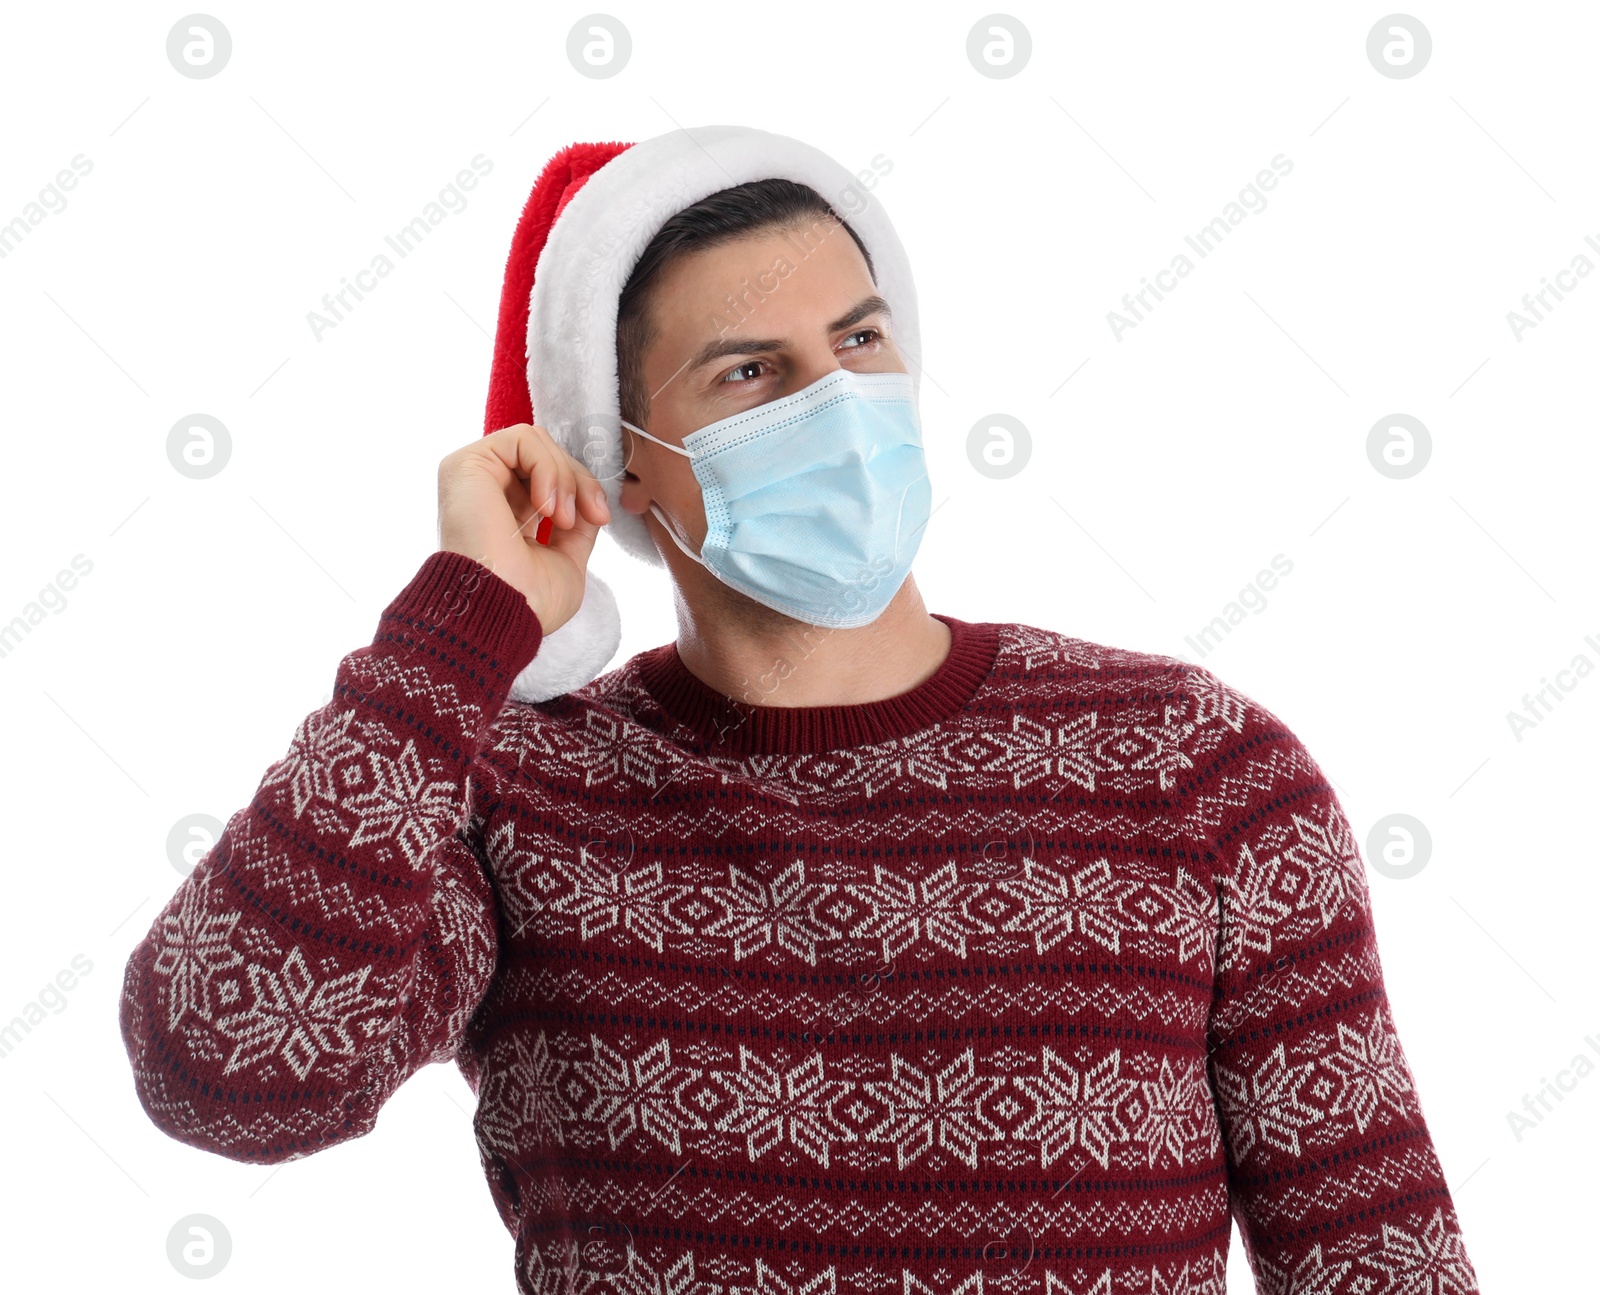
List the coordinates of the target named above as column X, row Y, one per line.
column 492, row 495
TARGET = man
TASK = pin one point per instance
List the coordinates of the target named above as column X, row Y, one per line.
column 837, row 945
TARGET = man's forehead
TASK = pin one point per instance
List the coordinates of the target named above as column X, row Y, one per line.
column 789, row 262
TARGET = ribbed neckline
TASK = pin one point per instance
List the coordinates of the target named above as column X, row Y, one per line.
column 734, row 727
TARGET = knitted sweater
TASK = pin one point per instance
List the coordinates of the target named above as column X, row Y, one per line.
column 1021, row 981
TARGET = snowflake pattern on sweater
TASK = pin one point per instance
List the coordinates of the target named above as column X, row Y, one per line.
column 1029, row 980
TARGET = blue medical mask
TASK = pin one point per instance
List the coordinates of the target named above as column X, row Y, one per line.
column 815, row 503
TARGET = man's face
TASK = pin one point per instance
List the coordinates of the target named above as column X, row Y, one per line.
column 799, row 318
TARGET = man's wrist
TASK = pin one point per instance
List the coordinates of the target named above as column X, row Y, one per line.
column 463, row 596
column 483, row 559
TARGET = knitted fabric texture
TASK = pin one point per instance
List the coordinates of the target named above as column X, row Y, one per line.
column 1027, row 980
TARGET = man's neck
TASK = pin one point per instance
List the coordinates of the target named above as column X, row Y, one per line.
column 767, row 659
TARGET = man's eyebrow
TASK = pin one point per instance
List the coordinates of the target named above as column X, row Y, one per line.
column 734, row 344
column 872, row 305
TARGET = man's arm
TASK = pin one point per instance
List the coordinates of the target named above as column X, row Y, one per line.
column 341, row 931
column 1333, row 1176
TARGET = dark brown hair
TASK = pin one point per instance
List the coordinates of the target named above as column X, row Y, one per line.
column 720, row 218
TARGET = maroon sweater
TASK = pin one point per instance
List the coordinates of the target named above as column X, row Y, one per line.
column 1020, row 981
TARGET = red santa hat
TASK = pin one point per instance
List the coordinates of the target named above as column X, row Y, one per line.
column 593, row 210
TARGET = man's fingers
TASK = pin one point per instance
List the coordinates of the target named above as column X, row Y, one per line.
column 576, row 541
column 592, row 502
column 591, row 494
column 542, row 486
column 566, row 487
column 523, row 510
column 558, row 485
column 580, row 495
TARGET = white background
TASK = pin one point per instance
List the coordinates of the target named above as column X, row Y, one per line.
column 1228, row 427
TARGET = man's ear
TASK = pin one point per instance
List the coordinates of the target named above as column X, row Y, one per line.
column 632, row 494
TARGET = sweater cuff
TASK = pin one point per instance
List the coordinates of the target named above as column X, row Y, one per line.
column 459, row 611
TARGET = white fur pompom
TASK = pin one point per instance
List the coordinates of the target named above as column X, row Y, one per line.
column 571, row 656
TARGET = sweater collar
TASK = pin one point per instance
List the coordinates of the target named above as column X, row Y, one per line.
column 738, row 728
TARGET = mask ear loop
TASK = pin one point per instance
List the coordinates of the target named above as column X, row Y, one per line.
column 676, row 449
column 667, row 525
column 672, row 530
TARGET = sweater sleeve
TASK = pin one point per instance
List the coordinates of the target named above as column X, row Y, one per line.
column 342, row 930
column 1333, row 1177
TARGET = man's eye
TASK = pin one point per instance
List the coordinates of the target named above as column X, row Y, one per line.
column 732, row 374
column 870, row 333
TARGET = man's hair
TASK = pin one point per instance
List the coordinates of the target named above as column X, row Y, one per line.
column 722, row 217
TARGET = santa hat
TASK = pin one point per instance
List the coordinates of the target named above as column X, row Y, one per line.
column 592, row 212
